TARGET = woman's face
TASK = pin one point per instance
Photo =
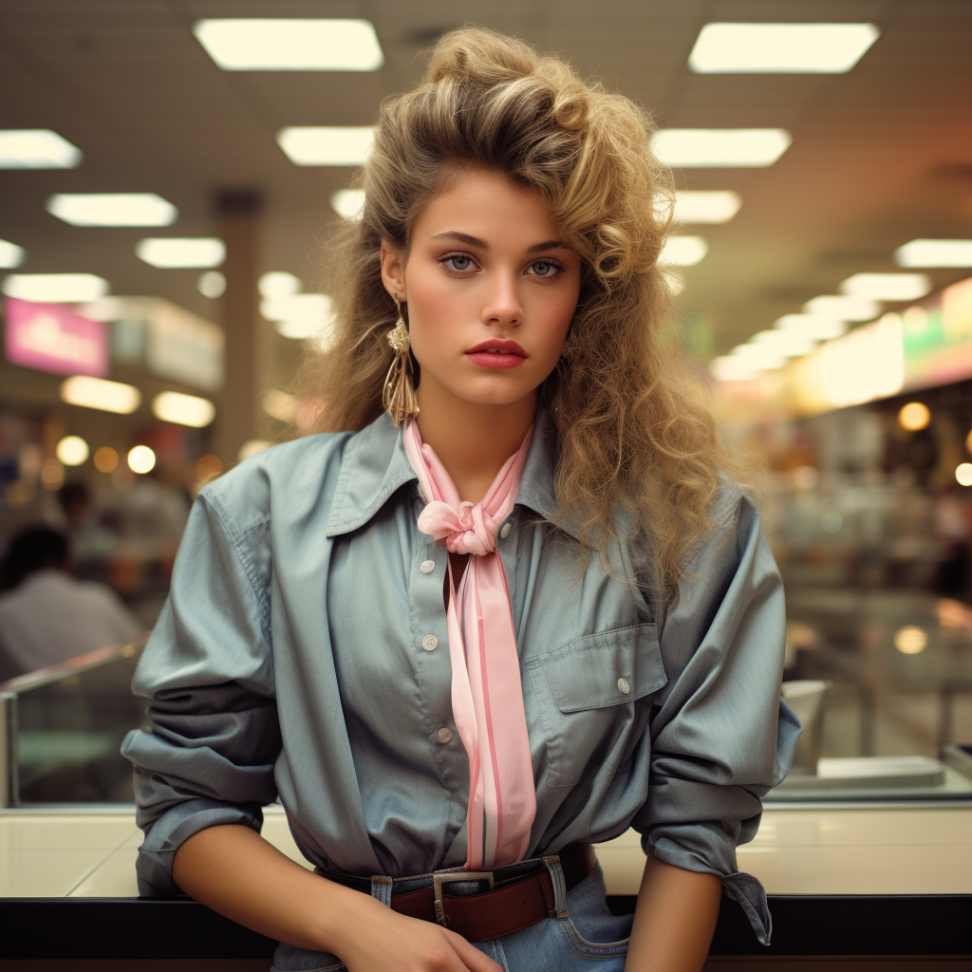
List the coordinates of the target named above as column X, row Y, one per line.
column 490, row 289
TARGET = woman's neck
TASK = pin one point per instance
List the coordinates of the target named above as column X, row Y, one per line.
column 471, row 440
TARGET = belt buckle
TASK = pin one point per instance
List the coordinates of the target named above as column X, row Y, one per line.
column 439, row 879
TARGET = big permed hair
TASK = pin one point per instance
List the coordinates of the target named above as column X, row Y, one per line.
column 638, row 445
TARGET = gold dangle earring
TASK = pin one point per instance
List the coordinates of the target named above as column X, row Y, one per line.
column 398, row 396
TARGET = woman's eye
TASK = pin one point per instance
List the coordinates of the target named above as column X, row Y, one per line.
column 543, row 268
column 457, row 262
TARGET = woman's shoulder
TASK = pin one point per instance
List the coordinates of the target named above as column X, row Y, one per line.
column 284, row 476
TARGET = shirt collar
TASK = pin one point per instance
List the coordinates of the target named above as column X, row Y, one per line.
column 375, row 466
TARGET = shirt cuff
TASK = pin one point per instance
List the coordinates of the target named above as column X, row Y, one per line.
column 745, row 889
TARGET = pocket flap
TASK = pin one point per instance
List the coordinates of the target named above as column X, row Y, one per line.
column 592, row 672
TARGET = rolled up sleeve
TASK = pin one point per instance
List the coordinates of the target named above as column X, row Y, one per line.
column 721, row 735
column 209, row 755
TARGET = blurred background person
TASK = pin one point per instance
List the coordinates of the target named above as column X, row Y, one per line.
column 46, row 615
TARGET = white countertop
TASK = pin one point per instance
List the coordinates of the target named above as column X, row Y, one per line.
column 873, row 851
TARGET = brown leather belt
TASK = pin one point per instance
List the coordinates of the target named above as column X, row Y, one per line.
column 510, row 905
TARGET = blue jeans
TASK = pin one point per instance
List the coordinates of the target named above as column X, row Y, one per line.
column 587, row 932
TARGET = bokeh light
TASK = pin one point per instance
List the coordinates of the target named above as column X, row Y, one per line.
column 141, row 459
column 72, row 450
column 911, row 640
column 963, row 473
column 105, row 459
column 914, row 416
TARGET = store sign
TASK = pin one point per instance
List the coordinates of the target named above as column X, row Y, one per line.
column 182, row 346
column 52, row 337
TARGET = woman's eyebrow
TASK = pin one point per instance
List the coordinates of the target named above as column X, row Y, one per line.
column 475, row 241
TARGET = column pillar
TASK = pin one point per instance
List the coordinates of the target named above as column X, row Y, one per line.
column 248, row 351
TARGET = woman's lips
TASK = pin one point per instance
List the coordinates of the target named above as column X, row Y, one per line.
column 495, row 359
column 495, row 353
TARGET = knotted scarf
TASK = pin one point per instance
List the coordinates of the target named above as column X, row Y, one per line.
column 487, row 696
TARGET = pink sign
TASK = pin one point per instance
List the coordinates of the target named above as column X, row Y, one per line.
column 51, row 337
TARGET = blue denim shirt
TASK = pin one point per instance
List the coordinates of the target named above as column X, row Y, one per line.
column 302, row 655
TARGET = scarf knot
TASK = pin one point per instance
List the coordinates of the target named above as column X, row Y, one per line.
column 468, row 530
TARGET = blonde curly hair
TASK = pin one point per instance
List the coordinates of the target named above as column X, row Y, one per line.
column 638, row 444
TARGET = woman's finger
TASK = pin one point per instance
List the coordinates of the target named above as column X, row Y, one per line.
column 472, row 957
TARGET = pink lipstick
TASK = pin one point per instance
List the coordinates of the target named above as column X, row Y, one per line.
column 497, row 354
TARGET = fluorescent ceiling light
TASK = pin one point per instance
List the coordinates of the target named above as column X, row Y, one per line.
column 683, row 251
column 348, row 203
column 322, row 44
column 731, row 368
column 312, row 308
column 112, row 209
column 934, row 253
column 108, row 396
column 780, row 48
column 846, row 308
column 55, row 288
column 11, row 255
column 887, row 286
column 36, row 148
column 182, row 409
column 326, row 145
column 790, row 344
column 758, row 357
column 277, row 284
column 720, row 147
column 706, row 206
column 170, row 253
column 819, row 327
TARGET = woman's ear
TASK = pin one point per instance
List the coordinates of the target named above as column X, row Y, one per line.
column 392, row 270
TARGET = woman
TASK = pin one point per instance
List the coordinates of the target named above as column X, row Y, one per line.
column 508, row 607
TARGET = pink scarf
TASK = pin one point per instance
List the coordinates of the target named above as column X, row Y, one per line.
column 487, row 696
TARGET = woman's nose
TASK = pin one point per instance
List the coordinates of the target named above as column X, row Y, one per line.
column 503, row 303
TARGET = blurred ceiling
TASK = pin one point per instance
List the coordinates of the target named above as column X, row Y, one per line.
column 880, row 155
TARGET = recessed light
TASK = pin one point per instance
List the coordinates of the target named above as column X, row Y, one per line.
column 720, row 147
column 170, row 253
column 321, row 44
column 934, row 253
column 348, row 203
column 820, row 327
column 845, row 308
column 112, row 209
column 11, row 255
column 36, row 148
column 723, row 48
column 55, row 288
column 211, row 284
column 182, row 409
column 887, row 286
column 683, row 251
column 326, row 145
column 706, row 206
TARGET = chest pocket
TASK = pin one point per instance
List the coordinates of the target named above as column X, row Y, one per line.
column 586, row 694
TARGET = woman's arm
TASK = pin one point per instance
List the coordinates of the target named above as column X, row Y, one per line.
column 237, row 873
column 674, row 920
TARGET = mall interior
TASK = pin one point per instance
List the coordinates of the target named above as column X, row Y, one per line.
column 172, row 177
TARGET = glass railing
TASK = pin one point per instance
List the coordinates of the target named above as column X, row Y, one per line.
column 62, row 728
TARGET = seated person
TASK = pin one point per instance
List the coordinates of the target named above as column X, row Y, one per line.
column 47, row 616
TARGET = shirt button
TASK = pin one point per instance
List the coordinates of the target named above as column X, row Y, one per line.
column 505, row 532
column 427, row 566
column 624, row 686
column 430, row 642
column 444, row 734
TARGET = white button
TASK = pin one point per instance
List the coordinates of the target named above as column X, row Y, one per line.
column 444, row 734
column 427, row 566
column 430, row 642
column 624, row 686
column 505, row 532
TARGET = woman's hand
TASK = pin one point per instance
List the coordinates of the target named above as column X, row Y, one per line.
column 381, row 940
